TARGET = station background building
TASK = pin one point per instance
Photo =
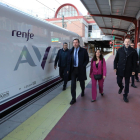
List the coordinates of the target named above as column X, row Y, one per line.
column 68, row 16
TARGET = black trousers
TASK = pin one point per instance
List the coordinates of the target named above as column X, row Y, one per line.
column 136, row 73
column 133, row 77
column 120, row 84
column 74, row 76
column 63, row 74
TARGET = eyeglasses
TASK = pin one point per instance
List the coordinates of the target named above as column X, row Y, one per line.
column 132, row 45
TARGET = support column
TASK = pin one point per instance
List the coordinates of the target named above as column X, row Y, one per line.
column 137, row 33
column 93, row 49
column 89, row 48
column 101, row 49
column 113, row 47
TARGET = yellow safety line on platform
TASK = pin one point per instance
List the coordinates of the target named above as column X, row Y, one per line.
column 41, row 123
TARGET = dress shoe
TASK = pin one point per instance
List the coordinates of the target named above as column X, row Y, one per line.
column 64, row 88
column 125, row 99
column 102, row 94
column 93, row 100
column 120, row 90
column 82, row 94
column 72, row 102
column 134, row 86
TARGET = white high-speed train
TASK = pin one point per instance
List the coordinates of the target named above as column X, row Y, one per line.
column 28, row 47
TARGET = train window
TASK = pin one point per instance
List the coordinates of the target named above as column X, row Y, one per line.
column 89, row 28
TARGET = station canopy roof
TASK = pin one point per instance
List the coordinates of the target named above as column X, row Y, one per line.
column 104, row 13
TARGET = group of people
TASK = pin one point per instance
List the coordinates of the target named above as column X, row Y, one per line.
column 72, row 66
column 126, row 65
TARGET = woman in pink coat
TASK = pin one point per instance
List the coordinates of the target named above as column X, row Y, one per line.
column 98, row 66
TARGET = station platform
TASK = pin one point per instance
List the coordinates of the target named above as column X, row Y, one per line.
column 109, row 118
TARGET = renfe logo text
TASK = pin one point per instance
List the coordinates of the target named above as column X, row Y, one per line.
column 23, row 34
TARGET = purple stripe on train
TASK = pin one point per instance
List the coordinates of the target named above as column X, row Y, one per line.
column 45, row 57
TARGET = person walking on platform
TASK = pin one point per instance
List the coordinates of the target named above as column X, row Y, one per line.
column 125, row 66
column 77, row 60
column 61, row 58
column 138, row 58
column 97, row 72
column 136, row 72
column 138, row 62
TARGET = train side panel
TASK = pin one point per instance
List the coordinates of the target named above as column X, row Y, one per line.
column 28, row 47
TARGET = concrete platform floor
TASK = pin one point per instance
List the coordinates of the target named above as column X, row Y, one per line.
column 109, row 118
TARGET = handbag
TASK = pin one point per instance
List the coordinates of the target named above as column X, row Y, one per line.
column 98, row 76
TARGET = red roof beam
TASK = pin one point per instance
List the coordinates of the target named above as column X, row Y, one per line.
column 126, row 18
column 121, row 30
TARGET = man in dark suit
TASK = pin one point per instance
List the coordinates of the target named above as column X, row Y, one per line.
column 77, row 60
column 138, row 51
column 125, row 66
column 61, row 58
column 136, row 72
column 138, row 58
